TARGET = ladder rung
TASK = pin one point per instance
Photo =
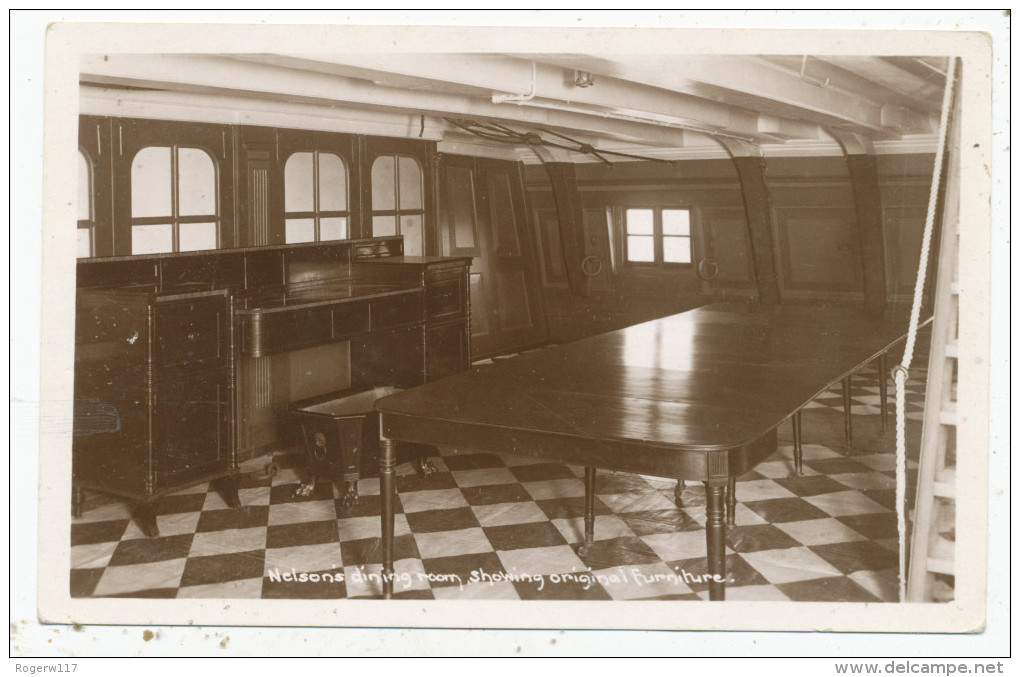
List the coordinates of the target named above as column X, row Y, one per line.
column 952, row 349
column 941, row 554
column 948, row 415
column 945, row 484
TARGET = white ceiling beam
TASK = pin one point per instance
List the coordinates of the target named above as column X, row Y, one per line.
column 784, row 128
column 753, row 83
column 501, row 74
column 889, row 76
column 908, row 122
column 219, row 75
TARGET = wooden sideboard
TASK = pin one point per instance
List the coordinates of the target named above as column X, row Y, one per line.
column 187, row 363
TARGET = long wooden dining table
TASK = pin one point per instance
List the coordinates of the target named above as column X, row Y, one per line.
column 696, row 396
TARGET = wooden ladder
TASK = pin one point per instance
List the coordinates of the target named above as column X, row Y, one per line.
column 932, row 546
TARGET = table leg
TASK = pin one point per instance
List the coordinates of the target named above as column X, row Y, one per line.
column 678, row 494
column 387, row 470
column 848, row 430
column 145, row 513
column 589, row 510
column 798, row 449
column 883, row 389
column 715, row 537
column 227, row 486
column 731, row 501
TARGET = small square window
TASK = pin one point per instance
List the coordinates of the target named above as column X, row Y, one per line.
column 658, row 237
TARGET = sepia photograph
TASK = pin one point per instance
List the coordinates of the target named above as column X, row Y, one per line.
column 515, row 327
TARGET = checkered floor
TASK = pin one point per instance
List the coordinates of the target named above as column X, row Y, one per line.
column 490, row 526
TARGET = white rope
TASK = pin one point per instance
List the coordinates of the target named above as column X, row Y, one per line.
column 901, row 372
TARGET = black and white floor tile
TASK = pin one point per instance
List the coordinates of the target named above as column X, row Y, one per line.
column 492, row 526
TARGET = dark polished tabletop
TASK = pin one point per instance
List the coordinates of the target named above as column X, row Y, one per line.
column 696, row 396
column 717, row 377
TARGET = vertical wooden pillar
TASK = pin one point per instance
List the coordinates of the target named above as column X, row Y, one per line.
column 751, row 171
column 571, row 221
column 868, row 206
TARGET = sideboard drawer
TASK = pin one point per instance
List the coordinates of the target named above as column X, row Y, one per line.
column 396, row 311
column 445, row 297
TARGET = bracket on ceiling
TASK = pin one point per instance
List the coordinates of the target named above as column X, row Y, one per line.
column 520, row 98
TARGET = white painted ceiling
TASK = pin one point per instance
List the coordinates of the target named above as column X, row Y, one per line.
column 648, row 105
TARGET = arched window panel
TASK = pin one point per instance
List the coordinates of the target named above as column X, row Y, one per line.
column 384, row 191
column 332, row 184
column 84, row 188
column 151, row 183
column 298, row 183
column 86, row 224
column 196, row 191
column 410, row 182
column 174, row 200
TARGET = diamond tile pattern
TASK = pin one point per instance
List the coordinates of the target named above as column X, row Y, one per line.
column 491, row 526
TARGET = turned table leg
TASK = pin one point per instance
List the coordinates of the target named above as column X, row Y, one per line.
column 848, row 430
column 798, row 449
column 731, row 501
column 883, row 390
column 715, row 537
column 589, row 510
column 387, row 470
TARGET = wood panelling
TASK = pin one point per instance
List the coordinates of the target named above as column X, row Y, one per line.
column 726, row 251
column 259, row 188
column 483, row 204
column 570, row 221
column 818, row 249
column 868, row 207
column 547, row 236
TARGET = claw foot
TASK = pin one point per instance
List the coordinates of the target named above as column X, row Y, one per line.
column 351, row 498
column 424, row 466
column 305, row 490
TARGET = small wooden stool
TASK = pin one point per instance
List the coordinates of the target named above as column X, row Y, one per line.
column 337, row 428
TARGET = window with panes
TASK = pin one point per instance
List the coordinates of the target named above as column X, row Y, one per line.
column 316, row 190
column 657, row 237
column 174, row 201
column 398, row 203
